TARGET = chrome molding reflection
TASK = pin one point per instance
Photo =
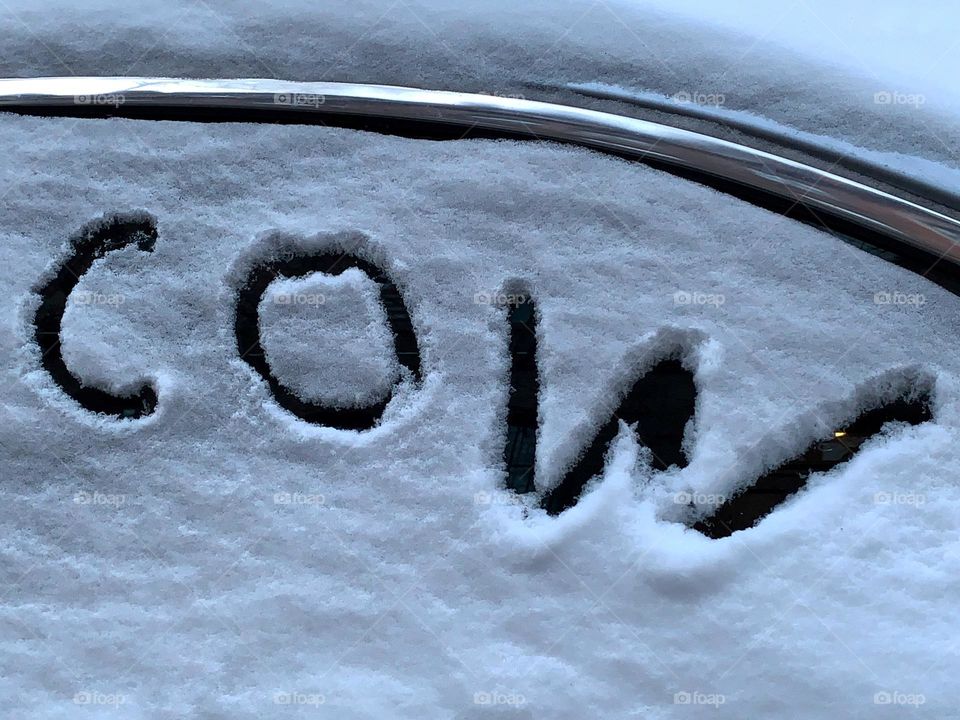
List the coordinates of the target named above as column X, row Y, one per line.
column 895, row 218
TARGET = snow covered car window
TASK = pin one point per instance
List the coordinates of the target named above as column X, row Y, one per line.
column 566, row 395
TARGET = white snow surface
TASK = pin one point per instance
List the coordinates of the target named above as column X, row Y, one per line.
column 222, row 559
column 326, row 338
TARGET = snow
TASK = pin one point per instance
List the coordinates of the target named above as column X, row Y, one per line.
column 326, row 338
column 911, row 47
column 223, row 559
column 94, row 345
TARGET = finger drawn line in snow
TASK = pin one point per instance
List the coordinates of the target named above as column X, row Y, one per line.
column 520, row 449
column 755, row 502
column 93, row 242
column 297, row 264
column 658, row 408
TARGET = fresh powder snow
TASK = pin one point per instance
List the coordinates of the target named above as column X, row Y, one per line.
column 332, row 322
column 221, row 558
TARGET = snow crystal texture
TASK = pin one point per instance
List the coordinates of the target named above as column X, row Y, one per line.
column 326, row 338
column 223, row 559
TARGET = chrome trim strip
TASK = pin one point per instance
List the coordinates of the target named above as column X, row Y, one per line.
column 894, row 217
column 804, row 141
